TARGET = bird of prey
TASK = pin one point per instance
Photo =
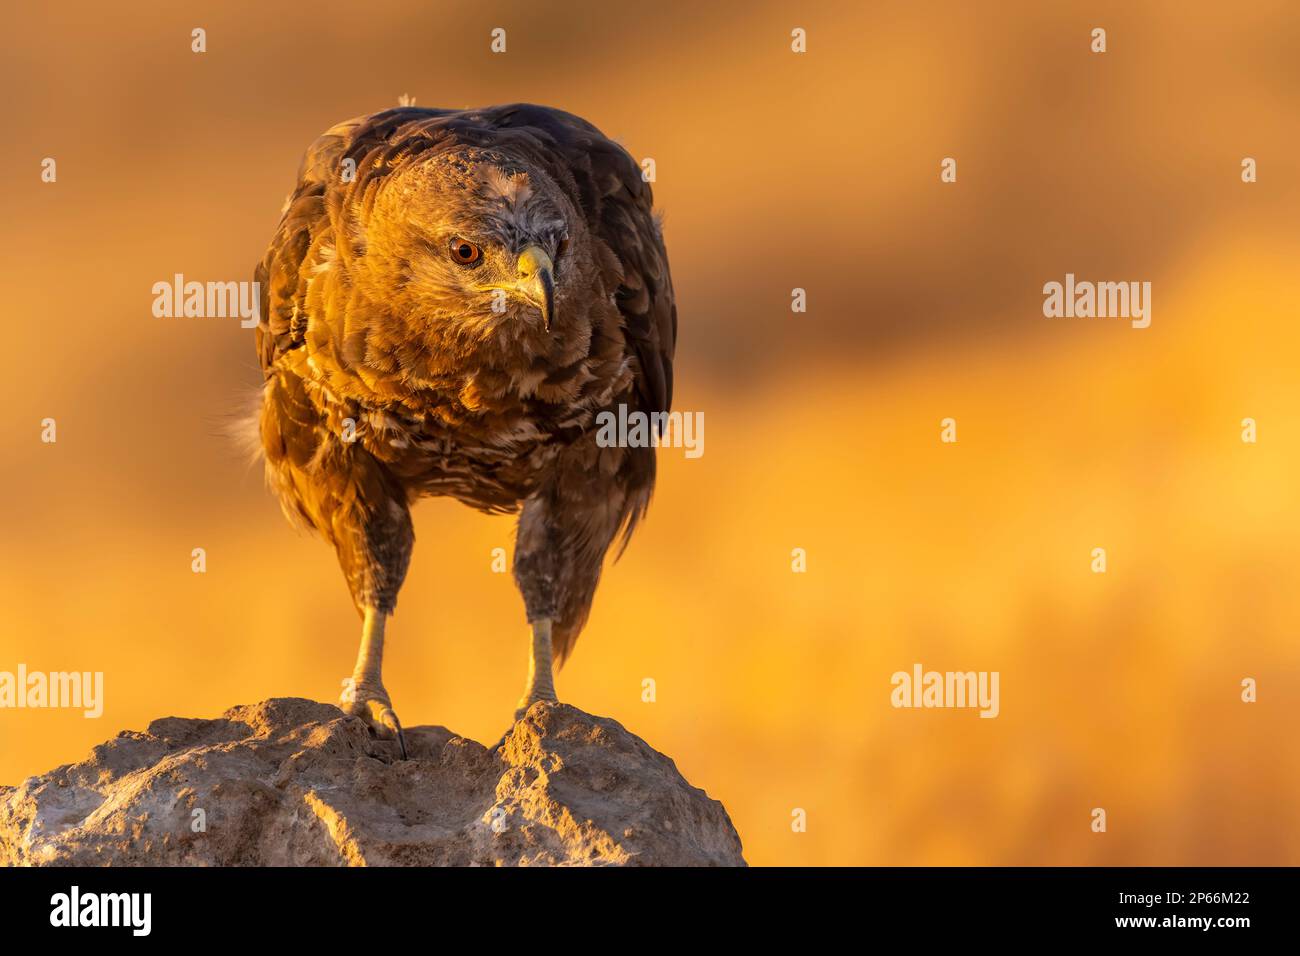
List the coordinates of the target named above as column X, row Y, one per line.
column 448, row 302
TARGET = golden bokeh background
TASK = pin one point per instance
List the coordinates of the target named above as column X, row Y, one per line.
column 775, row 171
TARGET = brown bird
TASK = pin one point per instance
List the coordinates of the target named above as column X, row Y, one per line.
column 450, row 300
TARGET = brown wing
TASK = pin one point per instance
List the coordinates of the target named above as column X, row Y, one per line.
column 619, row 207
column 305, row 225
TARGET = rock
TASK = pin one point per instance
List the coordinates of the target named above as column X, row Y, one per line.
column 291, row 782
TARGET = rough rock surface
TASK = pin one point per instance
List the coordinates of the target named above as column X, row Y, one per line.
column 292, row 782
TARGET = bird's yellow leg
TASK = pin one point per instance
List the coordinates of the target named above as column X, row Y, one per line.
column 364, row 695
column 541, row 685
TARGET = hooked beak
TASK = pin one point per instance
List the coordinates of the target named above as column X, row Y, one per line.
column 537, row 281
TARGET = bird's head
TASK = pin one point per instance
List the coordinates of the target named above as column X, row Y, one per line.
column 477, row 240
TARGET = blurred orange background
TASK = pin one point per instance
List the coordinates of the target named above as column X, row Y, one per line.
column 775, row 171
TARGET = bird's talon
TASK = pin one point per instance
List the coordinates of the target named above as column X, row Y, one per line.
column 372, row 705
column 389, row 720
column 520, row 711
column 528, row 702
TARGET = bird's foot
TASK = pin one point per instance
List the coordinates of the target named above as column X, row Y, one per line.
column 524, row 704
column 369, row 701
column 528, row 701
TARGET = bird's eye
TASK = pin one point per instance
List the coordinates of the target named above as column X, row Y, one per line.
column 465, row 252
column 562, row 248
